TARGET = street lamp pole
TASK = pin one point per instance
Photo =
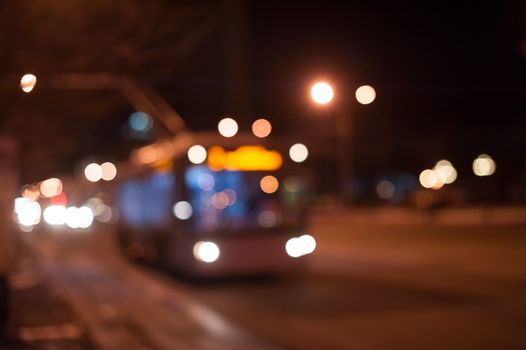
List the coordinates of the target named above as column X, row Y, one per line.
column 344, row 152
column 322, row 93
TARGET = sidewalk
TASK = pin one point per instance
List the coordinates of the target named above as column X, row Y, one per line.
column 40, row 316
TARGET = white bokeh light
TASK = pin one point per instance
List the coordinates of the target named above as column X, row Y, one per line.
column 197, row 154
column 28, row 82
column 322, row 93
column 365, row 94
column 227, row 127
column 109, row 171
column 484, row 165
column 206, row 251
column 182, row 210
column 428, row 178
column 308, row 244
column 55, row 215
column 93, row 172
column 293, row 248
column 298, row 152
column 29, row 213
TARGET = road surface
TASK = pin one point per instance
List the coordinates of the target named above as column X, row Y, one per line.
column 369, row 285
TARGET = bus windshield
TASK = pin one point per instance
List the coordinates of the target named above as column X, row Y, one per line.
column 240, row 200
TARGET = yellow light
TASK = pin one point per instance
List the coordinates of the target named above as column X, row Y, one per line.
column 445, row 171
column 365, row 94
column 484, row 165
column 261, row 128
column 154, row 154
column 28, row 82
column 196, row 154
column 163, row 166
column 298, row 152
column 50, row 187
column 322, row 93
column 93, row 172
column 109, row 171
column 227, row 127
column 428, row 178
column 245, row 158
column 269, row 184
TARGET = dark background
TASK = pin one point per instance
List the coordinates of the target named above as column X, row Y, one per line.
column 449, row 79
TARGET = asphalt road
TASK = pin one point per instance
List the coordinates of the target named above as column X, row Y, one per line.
column 369, row 285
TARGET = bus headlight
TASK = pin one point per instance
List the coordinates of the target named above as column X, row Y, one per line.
column 299, row 246
column 206, row 251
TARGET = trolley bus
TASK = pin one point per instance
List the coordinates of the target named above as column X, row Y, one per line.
column 206, row 206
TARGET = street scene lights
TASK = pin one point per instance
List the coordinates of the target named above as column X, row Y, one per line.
column 322, row 93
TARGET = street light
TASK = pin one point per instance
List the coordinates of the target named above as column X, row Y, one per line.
column 322, row 93
column 365, row 94
column 28, row 82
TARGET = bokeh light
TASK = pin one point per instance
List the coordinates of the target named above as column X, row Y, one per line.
column 261, row 128
column 269, row 184
column 93, row 172
column 206, row 251
column 206, row 182
column 109, row 171
column 322, row 93
column 428, row 178
column 308, row 244
column 55, row 215
column 293, row 248
column 79, row 217
column 445, row 171
column 29, row 213
column 299, row 246
column 298, row 152
column 365, row 94
column 183, row 210
column 59, row 199
column 140, row 121
column 267, row 218
column 85, row 217
column 385, row 189
column 220, row 200
column 31, row 192
column 196, row 154
column 484, row 165
column 50, row 187
column 227, row 127
column 28, row 82
column 232, row 196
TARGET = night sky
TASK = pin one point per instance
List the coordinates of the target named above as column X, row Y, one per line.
column 449, row 79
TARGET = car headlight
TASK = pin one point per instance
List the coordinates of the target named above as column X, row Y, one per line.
column 299, row 246
column 206, row 251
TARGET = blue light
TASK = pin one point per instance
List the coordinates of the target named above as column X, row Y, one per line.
column 140, row 121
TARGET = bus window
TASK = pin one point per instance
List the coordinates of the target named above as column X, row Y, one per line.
column 235, row 200
column 147, row 202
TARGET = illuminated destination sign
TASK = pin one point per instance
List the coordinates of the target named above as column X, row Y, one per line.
column 245, row 158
